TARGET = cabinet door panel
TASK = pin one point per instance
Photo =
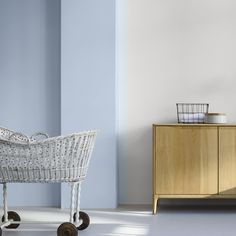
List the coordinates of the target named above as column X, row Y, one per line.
column 186, row 160
column 227, row 160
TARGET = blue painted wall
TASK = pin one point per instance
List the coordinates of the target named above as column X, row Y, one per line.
column 30, row 81
column 34, row 36
column 88, row 91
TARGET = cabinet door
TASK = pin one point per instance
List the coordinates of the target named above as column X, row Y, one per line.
column 186, row 160
column 227, row 160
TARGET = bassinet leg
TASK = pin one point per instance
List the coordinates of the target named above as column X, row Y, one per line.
column 72, row 202
column 68, row 228
column 78, row 189
column 5, row 202
column 81, row 219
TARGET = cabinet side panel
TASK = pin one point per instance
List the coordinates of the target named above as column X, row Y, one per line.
column 154, row 159
column 227, row 160
column 186, row 160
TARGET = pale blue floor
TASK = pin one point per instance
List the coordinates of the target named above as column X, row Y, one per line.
column 176, row 220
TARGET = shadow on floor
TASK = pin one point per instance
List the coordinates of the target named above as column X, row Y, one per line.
column 197, row 206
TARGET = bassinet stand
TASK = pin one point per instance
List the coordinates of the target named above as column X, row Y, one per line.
column 67, row 228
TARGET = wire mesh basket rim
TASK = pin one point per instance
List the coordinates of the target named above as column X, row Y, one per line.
column 187, row 103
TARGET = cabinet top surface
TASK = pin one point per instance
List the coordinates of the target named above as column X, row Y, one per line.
column 205, row 125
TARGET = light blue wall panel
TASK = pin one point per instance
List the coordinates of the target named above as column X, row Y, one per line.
column 88, row 92
column 30, row 81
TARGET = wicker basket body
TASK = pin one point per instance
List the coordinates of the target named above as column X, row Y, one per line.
column 57, row 159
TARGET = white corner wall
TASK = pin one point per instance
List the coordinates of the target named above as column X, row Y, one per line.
column 88, row 92
column 167, row 52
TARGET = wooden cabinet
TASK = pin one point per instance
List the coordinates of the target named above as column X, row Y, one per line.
column 194, row 161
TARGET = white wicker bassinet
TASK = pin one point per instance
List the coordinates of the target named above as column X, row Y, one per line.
column 56, row 159
column 37, row 160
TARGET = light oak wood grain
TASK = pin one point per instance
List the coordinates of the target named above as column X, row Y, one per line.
column 186, row 160
column 198, row 196
column 227, row 160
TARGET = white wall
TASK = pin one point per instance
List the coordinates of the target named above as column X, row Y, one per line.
column 168, row 51
column 30, row 81
column 88, row 92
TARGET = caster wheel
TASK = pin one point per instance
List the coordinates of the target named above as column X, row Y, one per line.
column 85, row 218
column 12, row 215
column 67, row 229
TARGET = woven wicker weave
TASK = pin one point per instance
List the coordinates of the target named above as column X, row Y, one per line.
column 57, row 159
column 40, row 159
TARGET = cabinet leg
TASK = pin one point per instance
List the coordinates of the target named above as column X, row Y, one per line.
column 155, row 203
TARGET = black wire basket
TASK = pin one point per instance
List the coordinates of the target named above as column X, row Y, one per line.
column 192, row 113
